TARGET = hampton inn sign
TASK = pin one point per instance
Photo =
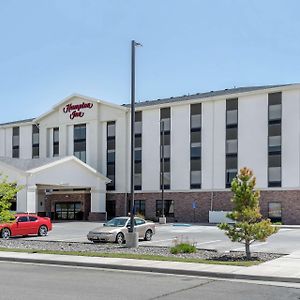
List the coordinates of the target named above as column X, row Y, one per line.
column 75, row 110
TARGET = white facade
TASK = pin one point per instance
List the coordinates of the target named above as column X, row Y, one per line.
column 252, row 141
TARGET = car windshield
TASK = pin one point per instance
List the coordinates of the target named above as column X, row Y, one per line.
column 116, row 222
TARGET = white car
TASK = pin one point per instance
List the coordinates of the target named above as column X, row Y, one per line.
column 115, row 230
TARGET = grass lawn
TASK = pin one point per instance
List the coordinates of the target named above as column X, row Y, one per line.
column 136, row 256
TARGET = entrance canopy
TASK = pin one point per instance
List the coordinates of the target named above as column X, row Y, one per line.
column 52, row 173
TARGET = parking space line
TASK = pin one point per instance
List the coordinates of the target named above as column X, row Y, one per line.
column 163, row 240
column 254, row 245
column 209, row 242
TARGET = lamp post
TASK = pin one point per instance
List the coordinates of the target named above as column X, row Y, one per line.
column 132, row 236
column 162, row 219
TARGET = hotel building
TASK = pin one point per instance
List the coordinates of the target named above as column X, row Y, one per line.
column 74, row 160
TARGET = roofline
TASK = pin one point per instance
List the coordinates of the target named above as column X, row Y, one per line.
column 145, row 105
column 65, row 159
column 193, row 99
column 13, row 168
column 19, row 123
column 68, row 98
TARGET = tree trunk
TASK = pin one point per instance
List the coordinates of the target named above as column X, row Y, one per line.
column 247, row 247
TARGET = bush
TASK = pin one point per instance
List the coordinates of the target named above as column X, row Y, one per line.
column 183, row 248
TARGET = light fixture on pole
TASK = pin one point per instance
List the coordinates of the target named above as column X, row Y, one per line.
column 132, row 236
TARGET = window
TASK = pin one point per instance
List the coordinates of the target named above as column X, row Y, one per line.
column 35, row 141
column 165, row 146
column 138, row 222
column 32, row 219
column 274, row 139
column 16, row 142
column 168, row 209
column 13, row 206
column 138, row 151
column 111, row 154
column 275, row 214
column 139, row 207
column 231, row 144
column 22, row 219
column 275, row 112
column 56, row 141
column 195, row 179
column 195, row 146
column 80, row 141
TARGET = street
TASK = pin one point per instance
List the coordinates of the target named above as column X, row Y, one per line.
column 208, row 237
column 34, row 281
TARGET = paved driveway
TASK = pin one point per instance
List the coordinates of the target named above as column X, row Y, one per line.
column 208, row 237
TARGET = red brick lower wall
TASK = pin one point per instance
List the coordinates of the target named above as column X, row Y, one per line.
column 183, row 204
column 84, row 198
column 97, row 216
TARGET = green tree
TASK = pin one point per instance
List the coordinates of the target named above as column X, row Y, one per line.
column 249, row 225
column 8, row 191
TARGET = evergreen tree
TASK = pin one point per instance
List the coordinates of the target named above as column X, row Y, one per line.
column 249, row 225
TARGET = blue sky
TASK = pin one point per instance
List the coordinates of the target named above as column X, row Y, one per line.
column 51, row 49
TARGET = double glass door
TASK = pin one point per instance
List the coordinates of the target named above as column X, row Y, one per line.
column 68, row 211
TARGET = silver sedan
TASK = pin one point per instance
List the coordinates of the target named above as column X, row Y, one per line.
column 115, row 230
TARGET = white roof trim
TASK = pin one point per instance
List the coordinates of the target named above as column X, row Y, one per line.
column 65, row 159
column 84, row 98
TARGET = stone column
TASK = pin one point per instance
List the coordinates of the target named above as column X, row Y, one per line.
column 98, row 205
column 32, row 197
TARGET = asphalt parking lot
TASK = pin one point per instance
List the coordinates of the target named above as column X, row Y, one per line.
column 286, row 240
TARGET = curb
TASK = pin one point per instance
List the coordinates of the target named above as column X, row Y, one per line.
column 153, row 270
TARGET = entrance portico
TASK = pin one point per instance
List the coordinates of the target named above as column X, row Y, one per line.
column 64, row 188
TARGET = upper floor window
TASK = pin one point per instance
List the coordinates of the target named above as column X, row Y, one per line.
column 35, row 141
column 165, row 147
column 56, row 141
column 231, row 144
column 231, row 112
column 80, row 141
column 16, row 142
column 274, row 139
column 111, row 154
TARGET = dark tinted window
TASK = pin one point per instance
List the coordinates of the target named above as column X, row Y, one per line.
column 32, row 219
column 275, row 98
column 23, row 219
column 165, row 113
column 196, row 109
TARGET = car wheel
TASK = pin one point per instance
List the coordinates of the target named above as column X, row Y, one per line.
column 148, row 235
column 43, row 230
column 120, row 238
column 5, row 233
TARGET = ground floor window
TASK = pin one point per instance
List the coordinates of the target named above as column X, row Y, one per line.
column 110, row 209
column 139, row 207
column 13, row 206
column 275, row 211
column 68, row 211
column 168, row 207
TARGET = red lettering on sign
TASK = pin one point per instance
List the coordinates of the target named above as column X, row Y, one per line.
column 75, row 109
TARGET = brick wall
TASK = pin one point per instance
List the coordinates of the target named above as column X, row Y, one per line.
column 183, row 211
column 83, row 198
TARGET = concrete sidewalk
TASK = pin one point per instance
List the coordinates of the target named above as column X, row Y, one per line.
column 284, row 269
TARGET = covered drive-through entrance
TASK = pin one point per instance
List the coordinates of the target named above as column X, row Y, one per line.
column 62, row 188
